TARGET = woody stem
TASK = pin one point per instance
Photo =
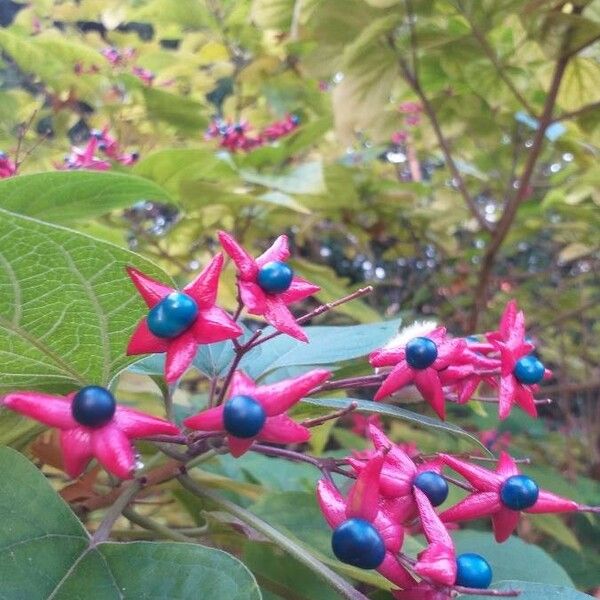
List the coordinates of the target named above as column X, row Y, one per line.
column 318, row 311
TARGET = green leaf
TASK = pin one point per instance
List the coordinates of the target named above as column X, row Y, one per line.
column 327, row 345
column 513, row 559
column 65, row 197
column 45, row 552
column 182, row 112
column 535, row 591
column 389, row 410
column 306, row 178
column 287, row 543
column 555, row 527
column 67, row 307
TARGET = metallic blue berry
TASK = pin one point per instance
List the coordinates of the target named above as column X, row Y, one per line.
column 421, row 352
column 356, row 542
column 433, row 485
column 529, row 370
column 295, row 119
column 243, row 416
column 519, row 492
column 172, row 315
column 93, row 406
column 473, row 571
column 275, row 277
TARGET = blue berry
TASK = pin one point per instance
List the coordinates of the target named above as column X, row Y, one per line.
column 295, row 119
column 172, row 315
column 356, row 542
column 93, row 406
column 275, row 277
column 519, row 492
column 243, row 416
column 473, row 571
column 433, row 485
column 421, row 352
column 529, row 370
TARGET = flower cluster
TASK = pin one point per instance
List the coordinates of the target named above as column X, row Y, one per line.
column 441, row 367
column 395, row 489
column 395, row 493
column 239, row 137
column 93, row 425
column 121, row 58
column 88, row 158
column 8, row 168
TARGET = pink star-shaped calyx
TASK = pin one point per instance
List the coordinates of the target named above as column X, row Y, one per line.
column 110, row 443
column 274, row 399
column 510, row 341
column 486, row 500
column 271, row 306
column 397, row 475
column 427, row 378
column 363, row 502
column 212, row 324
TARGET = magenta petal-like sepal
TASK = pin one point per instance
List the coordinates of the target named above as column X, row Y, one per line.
column 331, row 503
column 275, row 399
column 211, row 325
column 363, row 497
column 109, row 444
column 271, row 306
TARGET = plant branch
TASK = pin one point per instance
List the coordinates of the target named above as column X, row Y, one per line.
column 510, row 211
column 351, row 382
column 151, row 525
column 334, row 415
column 338, row 583
column 576, row 113
column 114, row 512
column 491, row 54
column 318, row 311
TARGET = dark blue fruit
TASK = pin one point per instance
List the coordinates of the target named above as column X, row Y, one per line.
column 243, row 416
column 275, row 277
column 93, row 406
column 433, row 485
column 172, row 315
column 519, row 492
column 473, row 571
column 421, row 352
column 529, row 370
column 356, row 542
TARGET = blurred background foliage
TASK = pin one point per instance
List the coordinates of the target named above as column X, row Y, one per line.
column 446, row 153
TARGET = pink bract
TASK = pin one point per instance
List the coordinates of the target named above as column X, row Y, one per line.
column 272, row 307
column 212, row 324
column 275, row 398
column 485, row 500
column 109, row 444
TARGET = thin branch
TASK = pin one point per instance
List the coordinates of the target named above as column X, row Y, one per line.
column 576, row 113
column 351, row 382
column 318, row 311
column 114, row 512
column 457, row 178
column 491, row 54
column 334, row 415
column 151, row 525
column 510, row 211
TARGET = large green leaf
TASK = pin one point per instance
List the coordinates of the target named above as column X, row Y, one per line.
column 514, row 559
column 395, row 412
column 67, row 307
column 45, row 553
column 64, row 197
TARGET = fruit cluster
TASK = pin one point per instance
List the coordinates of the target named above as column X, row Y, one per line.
column 237, row 137
column 87, row 157
column 395, row 488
